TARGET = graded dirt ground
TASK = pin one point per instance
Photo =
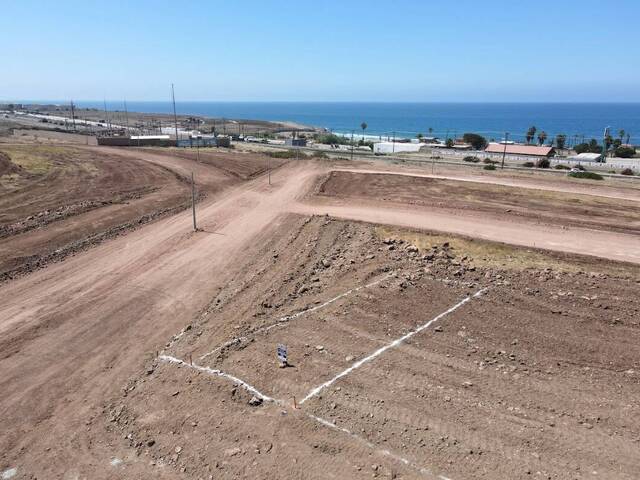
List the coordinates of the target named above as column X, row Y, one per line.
column 57, row 200
column 536, row 376
column 532, row 373
column 544, row 206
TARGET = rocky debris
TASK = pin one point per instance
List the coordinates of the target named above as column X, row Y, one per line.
column 319, row 348
column 232, row 452
column 255, row 401
column 438, row 329
column 9, row 473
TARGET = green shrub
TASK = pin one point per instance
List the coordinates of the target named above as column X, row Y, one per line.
column 332, row 139
column 490, row 166
column 543, row 163
column 478, row 142
column 471, row 159
column 562, row 167
column 589, row 175
column 488, row 161
column 624, row 152
column 528, row 164
column 626, row 171
column 281, row 154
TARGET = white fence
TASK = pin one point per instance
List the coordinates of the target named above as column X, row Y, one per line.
column 611, row 163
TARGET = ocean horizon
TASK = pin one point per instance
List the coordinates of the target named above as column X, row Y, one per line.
column 408, row 119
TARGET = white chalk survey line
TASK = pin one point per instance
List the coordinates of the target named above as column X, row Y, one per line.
column 282, row 320
column 219, row 373
column 388, row 346
column 321, row 421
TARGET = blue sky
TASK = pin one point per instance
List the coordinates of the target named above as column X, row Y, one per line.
column 456, row 50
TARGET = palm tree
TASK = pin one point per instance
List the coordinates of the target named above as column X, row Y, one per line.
column 430, row 130
column 621, row 134
column 542, row 136
column 363, row 126
column 531, row 133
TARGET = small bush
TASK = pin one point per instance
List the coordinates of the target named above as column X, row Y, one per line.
column 281, row 154
column 589, row 175
column 626, row 171
column 562, row 167
column 471, row 159
column 490, row 166
column 624, row 152
column 543, row 163
column 528, row 164
column 488, row 161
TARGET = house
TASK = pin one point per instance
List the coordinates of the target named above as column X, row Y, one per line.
column 296, row 142
column 521, row 150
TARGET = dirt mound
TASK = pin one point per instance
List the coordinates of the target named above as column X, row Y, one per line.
column 7, row 167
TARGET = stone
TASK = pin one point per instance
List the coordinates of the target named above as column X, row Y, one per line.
column 232, row 452
column 255, row 401
column 319, row 348
column 438, row 329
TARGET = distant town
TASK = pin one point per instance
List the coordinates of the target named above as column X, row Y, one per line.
column 612, row 153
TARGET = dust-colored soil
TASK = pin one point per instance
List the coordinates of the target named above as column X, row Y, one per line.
column 237, row 163
column 57, row 200
column 544, row 206
column 537, row 373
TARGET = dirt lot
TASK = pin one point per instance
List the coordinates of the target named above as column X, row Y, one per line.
column 544, row 206
column 56, row 200
column 411, row 354
column 537, row 376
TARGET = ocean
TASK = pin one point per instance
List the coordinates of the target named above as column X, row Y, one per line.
column 576, row 120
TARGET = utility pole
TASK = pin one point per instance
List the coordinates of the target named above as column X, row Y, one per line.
column 193, row 202
column 126, row 116
column 603, row 158
column 504, row 152
column 73, row 116
column 269, row 168
column 393, row 146
column 106, row 114
column 352, row 145
column 175, row 121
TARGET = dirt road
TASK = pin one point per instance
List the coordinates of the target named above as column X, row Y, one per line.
column 615, row 246
column 75, row 331
column 619, row 189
